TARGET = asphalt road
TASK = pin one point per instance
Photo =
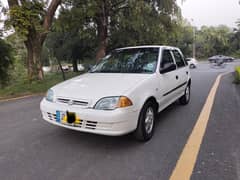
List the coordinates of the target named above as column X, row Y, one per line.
column 31, row 148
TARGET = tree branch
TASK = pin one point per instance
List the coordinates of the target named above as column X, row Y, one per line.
column 117, row 4
column 12, row 3
column 50, row 14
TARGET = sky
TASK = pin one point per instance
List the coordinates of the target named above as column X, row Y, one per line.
column 211, row 12
column 207, row 12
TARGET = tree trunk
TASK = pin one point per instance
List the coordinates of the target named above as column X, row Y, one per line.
column 60, row 65
column 34, row 48
column 36, row 38
column 75, row 66
column 102, row 31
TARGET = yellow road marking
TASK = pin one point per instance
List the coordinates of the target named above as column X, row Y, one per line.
column 21, row 97
column 188, row 157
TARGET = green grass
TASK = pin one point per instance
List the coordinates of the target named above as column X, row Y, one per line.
column 237, row 75
column 20, row 87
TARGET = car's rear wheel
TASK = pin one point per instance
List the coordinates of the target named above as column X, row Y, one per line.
column 186, row 97
column 146, row 122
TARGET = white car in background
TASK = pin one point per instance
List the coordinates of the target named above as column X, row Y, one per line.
column 122, row 93
column 192, row 62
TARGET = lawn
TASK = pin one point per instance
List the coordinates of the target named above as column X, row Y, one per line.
column 23, row 87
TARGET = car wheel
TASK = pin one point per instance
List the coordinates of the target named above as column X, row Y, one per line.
column 146, row 122
column 192, row 66
column 186, row 97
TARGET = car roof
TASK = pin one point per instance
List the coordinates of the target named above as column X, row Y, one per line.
column 148, row 46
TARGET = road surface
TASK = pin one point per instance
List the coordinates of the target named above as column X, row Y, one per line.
column 31, row 148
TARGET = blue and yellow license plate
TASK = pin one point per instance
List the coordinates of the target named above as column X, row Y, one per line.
column 67, row 117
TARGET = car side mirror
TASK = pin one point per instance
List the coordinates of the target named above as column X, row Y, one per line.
column 168, row 68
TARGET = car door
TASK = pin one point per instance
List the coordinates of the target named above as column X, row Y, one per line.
column 182, row 72
column 166, row 81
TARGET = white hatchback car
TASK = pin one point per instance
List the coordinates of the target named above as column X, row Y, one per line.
column 122, row 93
column 192, row 62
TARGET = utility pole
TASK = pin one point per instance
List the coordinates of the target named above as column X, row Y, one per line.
column 194, row 40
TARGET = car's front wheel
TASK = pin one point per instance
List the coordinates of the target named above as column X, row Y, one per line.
column 186, row 97
column 192, row 66
column 146, row 122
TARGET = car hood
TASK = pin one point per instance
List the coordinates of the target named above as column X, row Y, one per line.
column 94, row 86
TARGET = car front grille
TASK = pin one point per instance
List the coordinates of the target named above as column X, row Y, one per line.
column 93, row 125
column 72, row 102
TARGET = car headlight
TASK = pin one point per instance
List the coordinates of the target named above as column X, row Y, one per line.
column 111, row 103
column 50, row 95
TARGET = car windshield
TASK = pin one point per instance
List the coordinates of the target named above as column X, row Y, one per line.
column 135, row 60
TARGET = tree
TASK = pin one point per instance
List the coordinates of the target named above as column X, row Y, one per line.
column 145, row 22
column 6, row 60
column 130, row 18
column 213, row 40
column 100, row 13
column 32, row 20
column 74, row 36
column 89, row 26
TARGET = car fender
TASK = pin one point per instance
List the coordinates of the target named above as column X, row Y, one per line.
column 143, row 92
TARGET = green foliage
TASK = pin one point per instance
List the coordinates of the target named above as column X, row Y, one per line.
column 144, row 22
column 23, row 87
column 132, row 22
column 27, row 17
column 237, row 75
column 6, row 60
column 213, row 40
column 17, row 44
column 74, row 35
column 18, row 71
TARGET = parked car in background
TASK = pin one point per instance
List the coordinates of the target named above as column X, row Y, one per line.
column 192, row 62
column 69, row 67
column 220, row 58
column 80, row 67
column 229, row 59
column 122, row 93
column 65, row 68
column 46, row 69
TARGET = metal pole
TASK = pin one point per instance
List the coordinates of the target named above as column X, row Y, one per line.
column 194, row 45
column 194, row 39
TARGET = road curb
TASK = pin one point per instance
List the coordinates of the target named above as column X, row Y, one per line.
column 21, row 97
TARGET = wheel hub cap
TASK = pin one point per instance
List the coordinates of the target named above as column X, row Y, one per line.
column 149, row 120
column 187, row 93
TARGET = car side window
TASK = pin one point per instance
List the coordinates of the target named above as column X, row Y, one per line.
column 178, row 58
column 166, row 59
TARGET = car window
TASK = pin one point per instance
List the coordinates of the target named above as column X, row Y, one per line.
column 178, row 58
column 166, row 58
column 135, row 60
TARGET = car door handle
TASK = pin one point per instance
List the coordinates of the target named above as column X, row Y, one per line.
column 176, row 77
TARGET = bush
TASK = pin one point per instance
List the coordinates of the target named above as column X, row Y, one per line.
column 6, row 60
column 237, row 75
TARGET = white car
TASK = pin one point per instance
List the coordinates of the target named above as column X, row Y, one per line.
column 122, row 93
column 192, row 62
column 80, row 67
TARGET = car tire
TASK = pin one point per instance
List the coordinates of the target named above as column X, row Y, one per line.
column 186, row 97
column 146, row 122
column 192, row 66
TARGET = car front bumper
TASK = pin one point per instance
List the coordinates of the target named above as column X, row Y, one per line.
column 113, row 122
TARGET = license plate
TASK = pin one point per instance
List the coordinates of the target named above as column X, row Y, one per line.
column 67, row 117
